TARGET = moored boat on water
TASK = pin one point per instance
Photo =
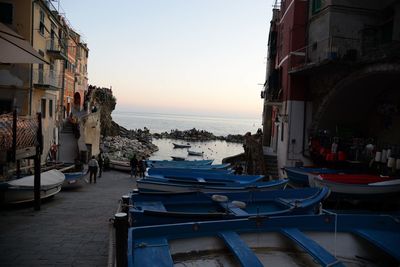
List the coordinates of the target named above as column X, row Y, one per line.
column 176, row 158
column 163, row 209
column 22, row 190
column 300, row 240
column 195, row 153
column 181, row 145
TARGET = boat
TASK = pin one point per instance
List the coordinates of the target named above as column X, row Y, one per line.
column 181, row 145
column 73, row 179
column 157, row 186
column 195, row 153
column 22, row 190
column 181, row 171
column 176, row 158
column 164, row 209
column 358, row 186
column 197, row 167
column 172, row 163
column 301, row 240
column 120, row 165
column 210, row 178
column 304, row 176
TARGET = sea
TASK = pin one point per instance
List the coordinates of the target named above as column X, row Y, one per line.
column 219, row 126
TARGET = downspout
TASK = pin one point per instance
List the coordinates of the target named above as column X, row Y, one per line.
column 306, row 92
column 31, row 65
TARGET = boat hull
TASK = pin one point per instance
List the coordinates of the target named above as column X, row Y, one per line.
column 164, row 209
column 157, row 187
column 120, row 165
column 303, row 240
column 22, row 190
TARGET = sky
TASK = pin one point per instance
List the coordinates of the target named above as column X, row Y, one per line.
column 203, row 57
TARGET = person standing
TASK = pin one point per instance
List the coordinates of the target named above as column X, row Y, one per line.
column 134, row 166
column 142, row 167
column 100, row 161
column 93, row 166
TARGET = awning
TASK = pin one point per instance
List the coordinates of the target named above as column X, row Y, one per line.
column 15, row 49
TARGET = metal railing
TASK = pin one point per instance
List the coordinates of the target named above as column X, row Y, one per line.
column 332, row 48
column 47, row 77
column 55, row 45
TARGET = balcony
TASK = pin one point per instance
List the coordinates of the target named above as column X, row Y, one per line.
column 335, row 48
column 47, row 79
column 55, row 49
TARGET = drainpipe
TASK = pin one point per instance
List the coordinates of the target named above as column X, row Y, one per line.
column 31, row 65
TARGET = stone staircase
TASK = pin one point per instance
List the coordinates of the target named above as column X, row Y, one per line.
column 68, row 149
column 271, row 163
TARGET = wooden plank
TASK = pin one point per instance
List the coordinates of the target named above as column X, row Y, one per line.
column 324, row 257
column 387, row 241
column 152, row 252
column 239, row 248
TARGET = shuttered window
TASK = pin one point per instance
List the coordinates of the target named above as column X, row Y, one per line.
column 316, row 6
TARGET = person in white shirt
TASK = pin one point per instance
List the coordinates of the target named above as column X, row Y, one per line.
column 93, row 166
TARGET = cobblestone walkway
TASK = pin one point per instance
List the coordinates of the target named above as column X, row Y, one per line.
column 72, row 229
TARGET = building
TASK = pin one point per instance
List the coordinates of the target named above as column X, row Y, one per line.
column 333, row 68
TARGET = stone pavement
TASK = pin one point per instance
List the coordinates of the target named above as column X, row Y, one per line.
column 71, row 229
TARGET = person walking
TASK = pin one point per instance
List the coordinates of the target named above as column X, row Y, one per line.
column 93, row 166
column 142, row 167
column 134, row 166
column 100, row 161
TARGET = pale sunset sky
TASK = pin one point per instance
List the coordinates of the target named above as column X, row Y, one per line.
column 203, row 57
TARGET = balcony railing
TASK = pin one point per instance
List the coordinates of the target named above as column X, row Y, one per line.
column 333, row 48
column 47, row 79
column 56, row 49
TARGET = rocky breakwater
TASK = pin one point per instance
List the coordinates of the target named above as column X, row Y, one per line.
column 122, row 148
column 198, row 135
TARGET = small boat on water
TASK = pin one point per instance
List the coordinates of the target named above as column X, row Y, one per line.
column 158, row 186
column 181, row 145
column 22, row 190
column 304, row 176
column 195, row 153
column 176, row 158
column 357, row 186
column 197, row 167
column 120, row 165
column 164, row 209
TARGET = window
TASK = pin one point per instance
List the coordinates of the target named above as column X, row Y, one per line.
column 41, row 24
column 316, row 6
column 43, row 108
column 51, row 108
column 6, row 13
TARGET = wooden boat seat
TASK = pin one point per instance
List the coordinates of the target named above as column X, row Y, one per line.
column 229, row 206
column 324, row 257
column 149, row 249
column 153, row 205
column 239, row 248
column 387, row 241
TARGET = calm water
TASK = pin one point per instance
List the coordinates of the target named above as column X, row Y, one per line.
column 216, row 150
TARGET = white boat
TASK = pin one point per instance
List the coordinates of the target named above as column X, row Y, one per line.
column 120, row 165
column 22, row 190
column 181, row 145
column 352, row 190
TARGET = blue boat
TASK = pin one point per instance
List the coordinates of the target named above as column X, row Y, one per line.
column 210, row 178
column 304, row 176
column 199, row 167
column 300, row 240
column 180, row 171
column 73, row 179
column 164, row 209
column 163, row 186
column 179, row 163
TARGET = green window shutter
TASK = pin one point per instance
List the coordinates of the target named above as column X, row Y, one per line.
column 316, row 6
